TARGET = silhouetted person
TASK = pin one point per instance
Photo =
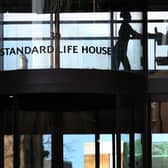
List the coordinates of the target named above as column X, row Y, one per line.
column 120, row 49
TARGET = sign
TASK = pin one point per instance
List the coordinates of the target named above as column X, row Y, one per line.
column 72, row 49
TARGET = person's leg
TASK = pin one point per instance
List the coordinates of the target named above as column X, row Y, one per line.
column 126, row 63
column 118, row 60
column 115, row 60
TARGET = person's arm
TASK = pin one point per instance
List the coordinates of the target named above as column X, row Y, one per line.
column 134, row 33
column 159, row 36
column 155, row 35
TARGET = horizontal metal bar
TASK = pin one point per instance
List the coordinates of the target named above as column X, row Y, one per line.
column 70, row 22
column 62, row 38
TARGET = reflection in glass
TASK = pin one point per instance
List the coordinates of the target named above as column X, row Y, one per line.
column 106, row 149
column 35, row 151
column 158, row 48
column 125, row 150
column 79, row 150
column 137, row 151
column 47, row 149
column 8, row 151
column 159, row 150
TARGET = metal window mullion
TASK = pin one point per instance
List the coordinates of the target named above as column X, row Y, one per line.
column 16, row 150
column 2, row 150
column 57, row 141
column 118, row 135
column 114, row 150
column 54, row 154
column 2, row 139
column 51, row 41
column 111, row 36
column 118, row 150
column 147, row 110
column 132, row 150
column 132, row 133
column 155, row 54
column 57, row 150
column 145, row 43
column 147, row 137
column 60, row 161
column 97, row 141
column 57, row 40
column 97, row 147
column 75, row 22
column 16, row 134
column 1, row 41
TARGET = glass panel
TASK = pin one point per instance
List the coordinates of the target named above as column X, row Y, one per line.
column 135, row 59
column 157, row 15
column 106, row 151
column 85, row 30
column 159, row 150
column 26, row 17
column 87, row 54
column 27, row 30
column 158, row 45
column 35, row 151
column 138, row 151
column 106, row 156
column 27, row 41
column 8, row 151
column 136, row 26
column 127, row 41
column 36, row 54
column 79, row 150
column 125, row 149
column 134, row 16
column 84, row 44
column 94, row 16
column 86, row 41
column 47, row 149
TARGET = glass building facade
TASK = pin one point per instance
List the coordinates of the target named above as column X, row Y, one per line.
column 87, row 134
